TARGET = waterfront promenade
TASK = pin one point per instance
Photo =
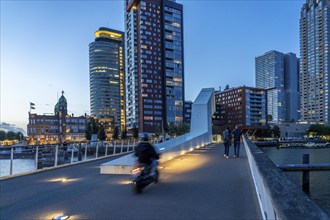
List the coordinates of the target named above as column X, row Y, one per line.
column 199, row 185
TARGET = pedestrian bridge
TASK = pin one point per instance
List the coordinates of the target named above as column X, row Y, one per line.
column 199, row 184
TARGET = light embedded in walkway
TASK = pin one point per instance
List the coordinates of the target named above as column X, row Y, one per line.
column 61, row 217
column 125, row 182
column 64, row 179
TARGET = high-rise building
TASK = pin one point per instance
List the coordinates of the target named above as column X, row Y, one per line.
column 291, row 87
column 106, row 75
column 245, row 107
column 278, row 73
column 315, row 61
column 154, row 63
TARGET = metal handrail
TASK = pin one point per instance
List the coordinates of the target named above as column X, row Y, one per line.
column 55, row 155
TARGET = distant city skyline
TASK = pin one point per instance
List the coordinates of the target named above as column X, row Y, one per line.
column 44, row 47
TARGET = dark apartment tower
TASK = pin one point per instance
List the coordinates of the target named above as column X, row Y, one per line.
column 106, row 76
column 154, row 64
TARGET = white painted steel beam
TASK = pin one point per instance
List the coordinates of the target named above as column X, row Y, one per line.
column 200, row 135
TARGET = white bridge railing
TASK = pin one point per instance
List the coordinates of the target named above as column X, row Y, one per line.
column 279, row 197
column 58, row 155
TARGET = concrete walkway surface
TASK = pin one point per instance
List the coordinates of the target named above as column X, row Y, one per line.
column 199, row 185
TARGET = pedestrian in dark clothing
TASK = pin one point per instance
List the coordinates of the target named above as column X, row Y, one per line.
column 226, row 141
column 237, row 140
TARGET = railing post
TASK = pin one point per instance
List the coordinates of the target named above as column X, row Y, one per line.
column 114, row 148
column 86, row 151
column 79, row 152
column 128, row 146
column 97, row 150
column 134, row 145
column 305, row 175
column 11, row 161
column 56, row 152
column 121, row 151
column 106, row 150
column 72, row 152
column 36, row 158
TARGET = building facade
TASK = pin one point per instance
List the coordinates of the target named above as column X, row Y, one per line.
column 106, row 76
column 55, row 128
column 154, row 63
column 278, row 73
column 245, row 107
column 315, row 61
column 187, row 111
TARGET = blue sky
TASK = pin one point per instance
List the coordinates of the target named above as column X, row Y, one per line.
column 44, row 47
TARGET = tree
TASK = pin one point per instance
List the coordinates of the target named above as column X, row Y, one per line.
column 2, row 135
column 172, row 129
column 88, row 131
column 19, row 136
column 94, row 127
column 182, row 128
column 319, row 130
column 101, row 133
column 11, row 135
column 115, row 133
column 276, row 131
column 263, row 133
column 123, row 133
column 135, row 132
column 158, row 130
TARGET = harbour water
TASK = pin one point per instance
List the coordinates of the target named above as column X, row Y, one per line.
column 19, row 166
column 319, row 180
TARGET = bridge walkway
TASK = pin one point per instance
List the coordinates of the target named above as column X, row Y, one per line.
column 201, row 184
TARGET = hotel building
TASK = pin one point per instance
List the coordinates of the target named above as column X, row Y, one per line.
column 59, row 127
column 315, row 61
column 154, row 63
column 106, row 76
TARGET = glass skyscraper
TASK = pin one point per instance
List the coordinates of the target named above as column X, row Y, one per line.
column 315, row 61
column 278, row 73
column 270, row 76
column 106, row 75
column 154, row 63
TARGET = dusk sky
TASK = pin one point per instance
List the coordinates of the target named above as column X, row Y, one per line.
column 44, row 47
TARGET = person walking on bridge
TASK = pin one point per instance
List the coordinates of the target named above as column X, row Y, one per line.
column 237, row 140
column 226, row 141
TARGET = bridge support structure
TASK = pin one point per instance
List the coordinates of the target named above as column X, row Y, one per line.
column 200, row 135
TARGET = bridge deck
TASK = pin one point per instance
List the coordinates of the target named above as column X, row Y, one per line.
column 199, row 185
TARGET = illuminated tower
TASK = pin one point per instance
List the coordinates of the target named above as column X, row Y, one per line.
column 106, row 75
column 154, row 64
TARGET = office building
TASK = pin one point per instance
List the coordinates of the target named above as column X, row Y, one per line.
column 278, row 73
column 154, row 64
column 245, row 107
column 315, row 61
column 106, row 76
